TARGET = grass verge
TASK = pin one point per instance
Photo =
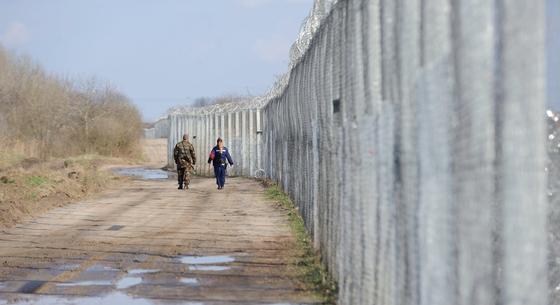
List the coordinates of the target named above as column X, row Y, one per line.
column 30, row 187
column 313, row 272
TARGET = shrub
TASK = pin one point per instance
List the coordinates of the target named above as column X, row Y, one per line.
column 44, row 116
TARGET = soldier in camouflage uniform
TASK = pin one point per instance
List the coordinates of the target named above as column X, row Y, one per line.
column 185, row 159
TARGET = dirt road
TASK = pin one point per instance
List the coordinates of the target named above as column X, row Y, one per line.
column 149, row 243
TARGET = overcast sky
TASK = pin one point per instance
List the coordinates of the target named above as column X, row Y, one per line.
column 167, row 52
column 159, row 53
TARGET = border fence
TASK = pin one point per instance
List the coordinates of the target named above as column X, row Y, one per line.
column 410, row 135
column 239, row 124
column 159, row 130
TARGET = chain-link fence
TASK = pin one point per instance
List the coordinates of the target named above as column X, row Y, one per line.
column 159, row 130
column 239, row 123
column 553, row 170
column 409, row 134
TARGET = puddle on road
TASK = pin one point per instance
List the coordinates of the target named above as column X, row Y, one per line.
column 128, row 282
column 189, row 281
column 203, row 260
column 206, row 263
column 142, row 173
column 133, row 279
column 101, row 268
column 85, row 283
column 69, row 267
column 115, row 228
column 114, row 298
column 142, row 271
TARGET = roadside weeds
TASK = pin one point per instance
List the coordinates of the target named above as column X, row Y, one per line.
column 29, row 188
column 312, row 270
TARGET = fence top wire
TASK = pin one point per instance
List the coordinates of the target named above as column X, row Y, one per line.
column 161, row 119
column 310, row 26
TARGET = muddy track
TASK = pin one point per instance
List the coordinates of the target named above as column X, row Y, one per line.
column 149, row 243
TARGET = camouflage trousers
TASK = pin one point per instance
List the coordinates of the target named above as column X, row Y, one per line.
column 184, row 174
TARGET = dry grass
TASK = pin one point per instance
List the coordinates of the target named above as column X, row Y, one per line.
column 29, row 187
column 313, row 271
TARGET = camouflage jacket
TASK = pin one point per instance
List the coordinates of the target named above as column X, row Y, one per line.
column 184, row 154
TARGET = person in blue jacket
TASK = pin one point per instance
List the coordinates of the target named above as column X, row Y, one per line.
column 220, row 157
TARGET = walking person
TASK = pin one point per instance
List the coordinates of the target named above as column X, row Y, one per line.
column 220, row 157
column 185, row 158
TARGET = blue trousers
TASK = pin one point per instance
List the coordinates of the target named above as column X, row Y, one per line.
column 220, row 173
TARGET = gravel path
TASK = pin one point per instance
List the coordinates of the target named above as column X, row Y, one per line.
column 149, row 243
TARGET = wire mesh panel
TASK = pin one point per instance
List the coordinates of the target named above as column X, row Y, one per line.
column 414, row 151
column 409, row 135
column 553, row 170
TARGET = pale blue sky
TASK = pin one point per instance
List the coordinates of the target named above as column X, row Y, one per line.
column 159, row 53
column 163, row 53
